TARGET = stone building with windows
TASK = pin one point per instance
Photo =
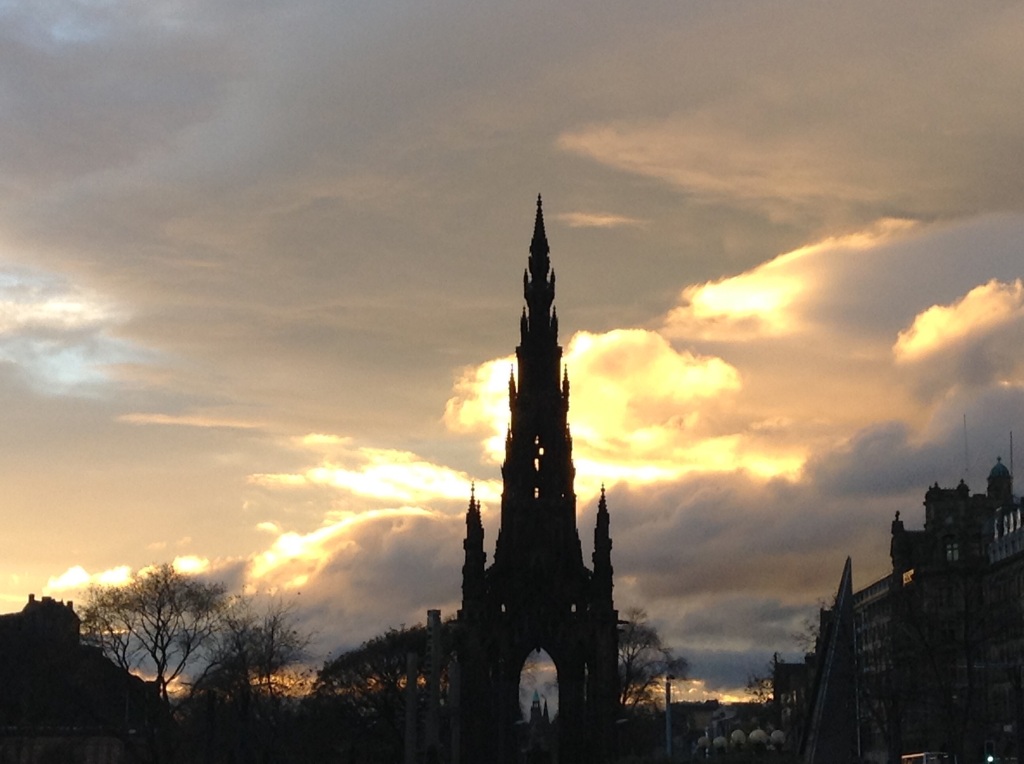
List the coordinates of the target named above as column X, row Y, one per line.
column 940, row 639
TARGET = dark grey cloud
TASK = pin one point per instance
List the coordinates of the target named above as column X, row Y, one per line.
column 89, row 87
column 383, row 573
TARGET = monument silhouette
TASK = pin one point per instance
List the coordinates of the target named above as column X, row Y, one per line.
column 538, row 593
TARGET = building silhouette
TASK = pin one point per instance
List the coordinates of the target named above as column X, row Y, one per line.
column 61, row 700
column 537, row 594
column 940, row 639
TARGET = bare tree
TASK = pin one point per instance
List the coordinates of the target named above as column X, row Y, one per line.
column 252, row 677
column 256, row 647
column 159, row 625
column 643, row 660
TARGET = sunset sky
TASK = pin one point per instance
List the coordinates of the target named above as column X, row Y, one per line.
column 261, row 277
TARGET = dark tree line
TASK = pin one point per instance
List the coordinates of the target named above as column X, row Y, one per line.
column 222, row 670
column 228, row 685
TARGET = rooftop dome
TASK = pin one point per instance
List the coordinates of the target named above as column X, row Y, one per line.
column 999, row 470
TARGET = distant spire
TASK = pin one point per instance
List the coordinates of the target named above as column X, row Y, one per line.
column 474, row 524
column 539, row 249
column 538, row 224
column 476, row 558
column 602, row 556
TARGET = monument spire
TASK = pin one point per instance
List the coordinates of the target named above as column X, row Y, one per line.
column 538, row 593
column 540, row 327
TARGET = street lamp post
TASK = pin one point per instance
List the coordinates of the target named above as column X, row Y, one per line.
column 668, row 716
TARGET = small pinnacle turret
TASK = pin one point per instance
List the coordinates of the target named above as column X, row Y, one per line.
column 475, row 558
column 602, row 557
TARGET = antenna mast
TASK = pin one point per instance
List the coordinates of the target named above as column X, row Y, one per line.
column 967, row 461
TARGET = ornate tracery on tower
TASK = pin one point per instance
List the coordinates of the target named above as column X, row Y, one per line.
column 538, row 593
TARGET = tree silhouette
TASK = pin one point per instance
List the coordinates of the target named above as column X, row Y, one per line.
column 643, row 661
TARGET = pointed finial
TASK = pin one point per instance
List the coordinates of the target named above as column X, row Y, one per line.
column 540, row 239
column 474, row 505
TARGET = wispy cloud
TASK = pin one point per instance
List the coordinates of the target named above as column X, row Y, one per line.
column 188, row 420
column 597, row 220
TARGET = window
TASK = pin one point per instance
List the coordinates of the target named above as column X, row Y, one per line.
column 952, row 550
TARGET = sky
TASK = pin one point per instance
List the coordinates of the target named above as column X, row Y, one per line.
column 260, row 287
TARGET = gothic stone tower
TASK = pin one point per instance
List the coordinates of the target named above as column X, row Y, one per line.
column 538, row 593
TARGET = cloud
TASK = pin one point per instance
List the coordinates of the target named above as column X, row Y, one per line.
column 983, row 309
column 191, row 564
column 643, row 411
column 76, row 578
column 368, row 570
column 854, row 121
column 781, row 297
column 294, row 558
column 386, row 475
column 187, row 420
column 61, row 337
column 684, row 151
column 596, row 220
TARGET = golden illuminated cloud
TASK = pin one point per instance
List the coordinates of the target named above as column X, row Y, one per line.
column 191, row 564
column 480, row 403
column 644, row 411
column 697, row 691
column 295, row 558
column 750, row 305
column 76, row 578
column 637, row 385
column 387, row 475
column 982, row 309
column 650, row 407
column 774, row 298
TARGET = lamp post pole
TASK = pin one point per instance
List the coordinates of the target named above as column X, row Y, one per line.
column 668, row 716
